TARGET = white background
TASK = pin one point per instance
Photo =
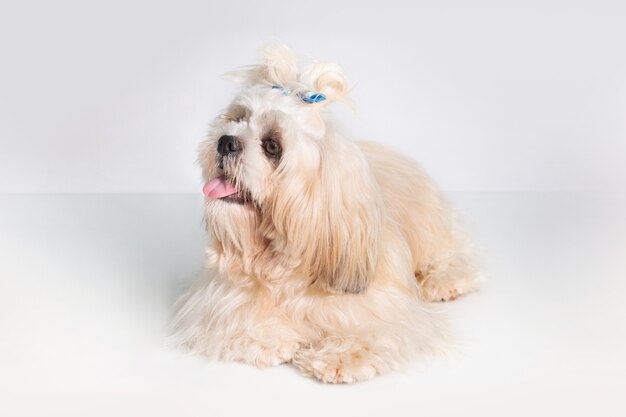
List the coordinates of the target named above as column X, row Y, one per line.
column 506, row 104
column 488, row 95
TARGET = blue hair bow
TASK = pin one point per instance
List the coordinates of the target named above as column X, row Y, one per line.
column 308, row 97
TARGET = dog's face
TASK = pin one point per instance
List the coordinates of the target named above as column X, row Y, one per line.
column 283, row 189
column 254, row 142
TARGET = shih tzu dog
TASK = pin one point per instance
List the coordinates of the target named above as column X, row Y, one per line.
column 325, row 251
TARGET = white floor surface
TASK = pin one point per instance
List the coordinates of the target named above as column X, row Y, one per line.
column 87, row 284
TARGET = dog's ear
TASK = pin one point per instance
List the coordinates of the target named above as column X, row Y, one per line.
column 331, row 213
column 279, row 67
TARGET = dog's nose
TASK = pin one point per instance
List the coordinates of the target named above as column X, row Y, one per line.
column 228, row 144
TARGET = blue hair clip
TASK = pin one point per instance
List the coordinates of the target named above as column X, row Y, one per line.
column 310, row 97
column 284, row 91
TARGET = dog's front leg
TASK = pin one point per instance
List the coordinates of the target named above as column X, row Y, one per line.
column 263, row 345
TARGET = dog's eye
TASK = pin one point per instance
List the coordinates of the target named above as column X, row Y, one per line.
column 236, row 114
column 271, row 148
column 234, row 119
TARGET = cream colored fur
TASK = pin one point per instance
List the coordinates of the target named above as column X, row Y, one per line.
column 331, row 262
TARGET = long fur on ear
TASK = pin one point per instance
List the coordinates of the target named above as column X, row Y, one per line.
column 332, row 217
column 279, row 68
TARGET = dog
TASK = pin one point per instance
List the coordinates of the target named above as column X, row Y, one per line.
column 325, row 252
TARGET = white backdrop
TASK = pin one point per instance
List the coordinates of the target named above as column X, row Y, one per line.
column 115, row 97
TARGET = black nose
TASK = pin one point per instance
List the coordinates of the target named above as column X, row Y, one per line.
column 228, row 144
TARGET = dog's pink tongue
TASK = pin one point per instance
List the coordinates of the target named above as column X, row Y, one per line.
column 219, row 187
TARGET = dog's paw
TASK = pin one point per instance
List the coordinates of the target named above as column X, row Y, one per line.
column 260, row 355
column 448, row 288
column 272, row 356
column 333, row 368
column 440, row 293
